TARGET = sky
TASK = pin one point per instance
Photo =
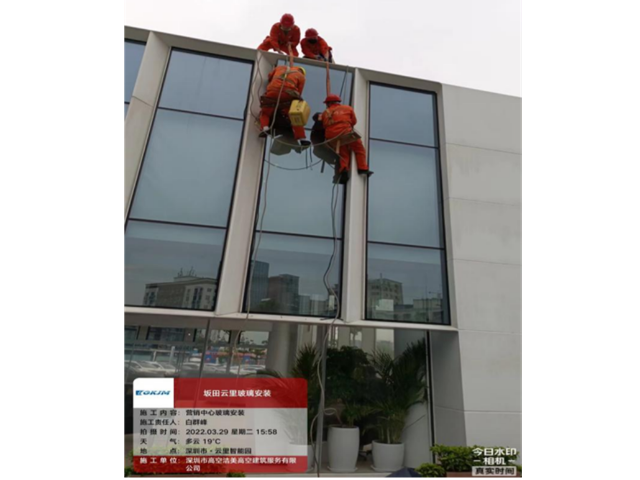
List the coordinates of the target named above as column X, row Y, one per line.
column 470, row 43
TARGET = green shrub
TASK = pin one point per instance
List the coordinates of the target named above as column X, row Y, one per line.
column 236, row 474
column 456, row 459
column 431, row 470
column 128, row 471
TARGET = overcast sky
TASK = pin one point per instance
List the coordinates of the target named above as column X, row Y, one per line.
column 472, row 43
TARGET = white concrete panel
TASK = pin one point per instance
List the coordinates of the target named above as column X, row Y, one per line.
column 494, row 429
column 152, row 67
column 353, row 265
column 489, row 232
column 488, row 296
column 417, row 436
column 484, row 175
column 491, row 371
column 446, row 370
column 449, row 426
column 482, row 119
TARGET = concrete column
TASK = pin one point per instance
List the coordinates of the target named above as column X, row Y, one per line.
column 279, row 348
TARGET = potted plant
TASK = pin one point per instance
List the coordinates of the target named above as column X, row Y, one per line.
column 456, row 460
column 431, row 470
column 349, row 375
column 399, row 385
column 344, row 438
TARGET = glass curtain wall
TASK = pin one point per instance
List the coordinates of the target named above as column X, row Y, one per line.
column 133, row 52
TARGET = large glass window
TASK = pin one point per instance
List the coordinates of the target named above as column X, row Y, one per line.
column 178, row 219
column 189, row 169
column 173, row 266
column 133, row 52
column 406, row 265
column 288, row 277
column 404, row 116
column 297, row 243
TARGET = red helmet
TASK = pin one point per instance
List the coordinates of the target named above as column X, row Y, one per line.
column 332, row 97
column 311, row 33
column 287, row 20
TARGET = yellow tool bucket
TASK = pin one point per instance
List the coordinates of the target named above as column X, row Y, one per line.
column 299, row 113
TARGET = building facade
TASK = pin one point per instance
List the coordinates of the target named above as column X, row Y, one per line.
column 230, row 238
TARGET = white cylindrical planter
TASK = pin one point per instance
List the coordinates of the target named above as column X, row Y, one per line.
column 344, row 443
column 387, row 457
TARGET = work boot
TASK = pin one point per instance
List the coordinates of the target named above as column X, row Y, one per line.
column 368, row 173
column 343, row 177
column 305, row 143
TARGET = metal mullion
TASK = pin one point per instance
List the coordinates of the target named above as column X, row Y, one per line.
column 299, row 235
column 404, row 143
column 200, row 113
column 182, row 224
column 405, row 245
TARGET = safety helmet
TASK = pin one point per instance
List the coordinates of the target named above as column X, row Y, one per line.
column 304, row 72
column 312, row 34
column 333, row 99
column 288, row 21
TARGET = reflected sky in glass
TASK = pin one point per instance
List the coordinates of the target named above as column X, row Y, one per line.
column 132, row 58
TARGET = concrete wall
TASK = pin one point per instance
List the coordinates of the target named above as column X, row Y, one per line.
column 477, row 371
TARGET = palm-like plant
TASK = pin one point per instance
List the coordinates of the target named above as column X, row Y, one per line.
column 349, row 375
column 400, row 384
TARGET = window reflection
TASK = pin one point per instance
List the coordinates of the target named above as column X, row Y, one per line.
column 133, row 52
column 407, row 213
column 299, row 201
column 189, row 169
column 206, row 84
column 187, row 179
column 172, row 265
column 288, row 276
column 405, row 279
column 402, row 115
column 405, row 284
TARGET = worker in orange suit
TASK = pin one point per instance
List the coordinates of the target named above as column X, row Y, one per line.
column 283, row 35
column 315, row 47
column 338, row 120
column 287, row 83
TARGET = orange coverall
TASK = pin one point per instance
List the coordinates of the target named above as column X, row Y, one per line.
column 338, row 119
column 278, row 40
column 311, row 50
column 293, row 88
